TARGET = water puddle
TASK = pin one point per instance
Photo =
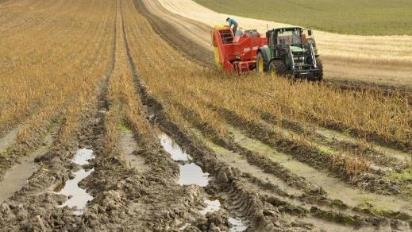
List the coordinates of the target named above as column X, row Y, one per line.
column 128, row 146
column 16, row 177
column 211, row 206
column 190, row 173
column 335, row 188
column 172, row 148
column 78, row 197
column 236, row 225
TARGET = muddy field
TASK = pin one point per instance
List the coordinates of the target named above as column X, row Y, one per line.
column 135, row 157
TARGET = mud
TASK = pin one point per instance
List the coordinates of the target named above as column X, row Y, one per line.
column 375, row 162
column 313, row 156
column 16, row 150
column 379, row 154
column 192, row 174
column 8, row 140
column 238, row 161
column 387, row 151
column 17, row 176
column 333, row 186
column 129, row 150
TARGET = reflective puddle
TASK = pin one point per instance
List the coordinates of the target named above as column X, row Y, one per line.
column 190, row 173
column 236, row 225
column 78, row 197
column 172, row 148
column 211, row 206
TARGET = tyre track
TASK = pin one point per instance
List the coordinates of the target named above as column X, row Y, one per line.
column 152, row 200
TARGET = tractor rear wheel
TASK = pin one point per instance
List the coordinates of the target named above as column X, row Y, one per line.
column 260, row 63
column 278, row 67
column 319, row 76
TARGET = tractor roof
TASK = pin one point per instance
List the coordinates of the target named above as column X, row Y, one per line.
column 287, row 28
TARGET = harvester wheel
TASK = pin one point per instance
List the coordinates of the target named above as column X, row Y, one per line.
column 319, row 77
column 278, row 67
column 260, row 63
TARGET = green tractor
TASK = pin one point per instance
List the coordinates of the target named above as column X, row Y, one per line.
column 290, row 51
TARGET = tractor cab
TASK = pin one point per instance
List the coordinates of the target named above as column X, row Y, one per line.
column 291, row 50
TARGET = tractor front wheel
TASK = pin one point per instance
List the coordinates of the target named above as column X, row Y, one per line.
column 319, row 76
column 278, row 67
column 260, row 63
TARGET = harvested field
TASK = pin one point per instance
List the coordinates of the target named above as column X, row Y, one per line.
column 139, row 136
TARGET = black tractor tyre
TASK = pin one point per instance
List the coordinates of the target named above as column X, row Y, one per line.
column 278, row 67
column 260, row 63
column 319, row 76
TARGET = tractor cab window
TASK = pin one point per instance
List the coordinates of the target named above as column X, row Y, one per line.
column 289, row 37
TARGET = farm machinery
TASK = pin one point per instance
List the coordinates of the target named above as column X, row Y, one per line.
column 285, row 51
